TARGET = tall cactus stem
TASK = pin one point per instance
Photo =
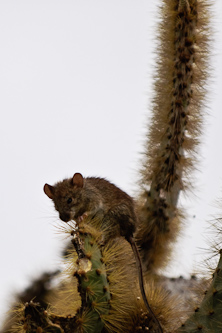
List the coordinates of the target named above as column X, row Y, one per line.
column 174, row 127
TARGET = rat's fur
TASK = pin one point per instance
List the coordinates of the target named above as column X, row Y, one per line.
column 78, row 196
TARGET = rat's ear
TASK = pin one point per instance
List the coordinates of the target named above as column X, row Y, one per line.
column 77, row 180
column 49, row 190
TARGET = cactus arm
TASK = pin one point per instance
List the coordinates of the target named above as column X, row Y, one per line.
column 93, row 283
column 174, row 127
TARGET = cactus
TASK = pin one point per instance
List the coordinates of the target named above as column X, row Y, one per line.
column 174, row 127
column 92, row 282
column 100, row 291
column 207, row 316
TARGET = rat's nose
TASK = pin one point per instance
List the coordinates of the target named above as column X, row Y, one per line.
column 65, row 217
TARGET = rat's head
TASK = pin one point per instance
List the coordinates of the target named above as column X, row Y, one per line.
column 67, row 197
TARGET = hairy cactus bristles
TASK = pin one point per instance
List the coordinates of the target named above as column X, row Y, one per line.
column 33, row 318
column 103, row 287
column 175, row 124
column 108, row 303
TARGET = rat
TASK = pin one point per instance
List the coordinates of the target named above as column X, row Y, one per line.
column 77, row 197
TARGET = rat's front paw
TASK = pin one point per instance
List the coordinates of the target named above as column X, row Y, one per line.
column 82, row 217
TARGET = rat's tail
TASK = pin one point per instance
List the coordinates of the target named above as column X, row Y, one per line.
column 141, row 283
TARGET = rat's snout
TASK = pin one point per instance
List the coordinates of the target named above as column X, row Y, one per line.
column 65, row 217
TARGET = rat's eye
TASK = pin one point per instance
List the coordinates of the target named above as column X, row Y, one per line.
column 69, row 200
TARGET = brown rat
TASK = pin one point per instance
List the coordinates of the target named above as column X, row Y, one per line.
column 75, row 197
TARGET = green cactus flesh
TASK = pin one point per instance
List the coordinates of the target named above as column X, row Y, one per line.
column 93, row 287
column 208, row 316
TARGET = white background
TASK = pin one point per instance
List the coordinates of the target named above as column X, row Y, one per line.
column 75, row 83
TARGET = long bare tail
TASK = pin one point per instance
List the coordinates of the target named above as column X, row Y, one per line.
column 140, row 273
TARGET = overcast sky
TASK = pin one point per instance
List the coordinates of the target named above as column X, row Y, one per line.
column 75, row 88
